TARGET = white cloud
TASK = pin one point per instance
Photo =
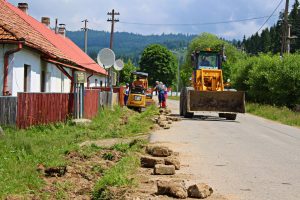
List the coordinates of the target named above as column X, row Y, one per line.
column 158, row 11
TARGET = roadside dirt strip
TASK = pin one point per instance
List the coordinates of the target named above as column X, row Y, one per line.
column 160, row 176
column 247, row 159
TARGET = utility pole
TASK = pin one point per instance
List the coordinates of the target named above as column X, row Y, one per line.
column 85, row 29
column 113, row 21
column 284, row 45
column 289, row 39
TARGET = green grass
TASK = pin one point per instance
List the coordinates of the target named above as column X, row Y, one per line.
column 22, row 150
column 174, row 98
column 282, row 115
column 117, row 176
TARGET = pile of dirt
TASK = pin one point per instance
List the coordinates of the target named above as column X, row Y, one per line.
column 77, row 179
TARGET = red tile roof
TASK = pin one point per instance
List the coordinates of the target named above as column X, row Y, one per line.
column 17, row 24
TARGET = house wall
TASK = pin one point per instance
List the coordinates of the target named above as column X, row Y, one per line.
column 99, row 78
column 56, row 81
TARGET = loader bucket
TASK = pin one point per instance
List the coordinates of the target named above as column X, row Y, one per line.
column 225, row 101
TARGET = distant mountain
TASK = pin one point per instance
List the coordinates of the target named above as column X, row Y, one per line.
column 127, row 45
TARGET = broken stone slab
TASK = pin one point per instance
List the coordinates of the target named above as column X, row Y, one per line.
column 150, row 162
column 163, row 124
column 174, row 119
column 81, row 121
column 159, row 151
column 200, row 191
column 173, row 161
column 167, row 127
column 172, row 189
column 161, row 169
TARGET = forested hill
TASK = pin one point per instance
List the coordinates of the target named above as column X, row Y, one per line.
column 127, row 45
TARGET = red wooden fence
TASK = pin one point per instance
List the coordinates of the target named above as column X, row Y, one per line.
column 43, row 108
column 91, row 103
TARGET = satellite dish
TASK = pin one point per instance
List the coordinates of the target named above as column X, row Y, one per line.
column 119, row 65
column 106, row 57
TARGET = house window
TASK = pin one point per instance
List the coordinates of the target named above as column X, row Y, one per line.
column 96, row 82
column 101, row 82
column 26, row 78
column 43, row 79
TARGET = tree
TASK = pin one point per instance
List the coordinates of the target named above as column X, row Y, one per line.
column 266, row 40
column 294, row 18
column 125, row 74
column 159, row 63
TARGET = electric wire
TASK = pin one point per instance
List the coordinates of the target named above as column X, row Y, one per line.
column 196, row 24
column 270, row 15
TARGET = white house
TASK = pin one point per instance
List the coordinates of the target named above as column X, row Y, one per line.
column 34, row 58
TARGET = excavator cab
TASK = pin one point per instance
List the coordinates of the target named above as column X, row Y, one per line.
column 207, row 91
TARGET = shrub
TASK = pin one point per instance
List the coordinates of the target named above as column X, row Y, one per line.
column 269, row 79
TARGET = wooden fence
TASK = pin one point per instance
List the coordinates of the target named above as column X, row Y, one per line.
column 91, row 103
column 43, row 108
column 8, row 110
column 29, row 109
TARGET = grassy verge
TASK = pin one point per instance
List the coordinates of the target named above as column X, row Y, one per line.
column 282, row 115
column 174, row 98
column 118, row 176
column 22, row 150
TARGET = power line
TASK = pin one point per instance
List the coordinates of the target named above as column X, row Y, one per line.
column 197, row 24
column 270, row 15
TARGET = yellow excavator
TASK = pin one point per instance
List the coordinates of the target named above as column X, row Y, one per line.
column 207, row 91
column 140, row 95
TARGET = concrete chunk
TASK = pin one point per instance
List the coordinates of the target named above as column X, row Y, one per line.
column 159, row 151
column 161, row 169
column 172, row 189
column 150, row 162
column 200, row 191
column 173, row 161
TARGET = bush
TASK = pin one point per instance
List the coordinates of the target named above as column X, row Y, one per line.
column 269, row 79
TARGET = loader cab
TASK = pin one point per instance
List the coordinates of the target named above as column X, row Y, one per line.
column 207, row 75
column 206, row 60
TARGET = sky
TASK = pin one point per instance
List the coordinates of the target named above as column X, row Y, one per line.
column 162, row 12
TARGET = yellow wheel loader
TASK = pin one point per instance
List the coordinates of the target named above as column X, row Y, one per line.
column 207, row 91
column 139, row 95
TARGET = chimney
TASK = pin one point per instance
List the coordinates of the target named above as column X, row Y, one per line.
column 46, row 21
column 23, row 7
column 62, row 30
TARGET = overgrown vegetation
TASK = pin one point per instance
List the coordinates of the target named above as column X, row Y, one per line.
column 267, row 79
column 283, row 114
column 121, row 175
column 21, row 151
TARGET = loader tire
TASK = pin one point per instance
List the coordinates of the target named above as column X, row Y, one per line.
column 181, row 104
column 230, row 116
column 222, row 115
column 184, row 93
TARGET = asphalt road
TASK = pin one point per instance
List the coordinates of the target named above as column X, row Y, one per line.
column 250, row 158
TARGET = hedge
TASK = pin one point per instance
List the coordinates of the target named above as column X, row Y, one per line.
column 269, row 79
